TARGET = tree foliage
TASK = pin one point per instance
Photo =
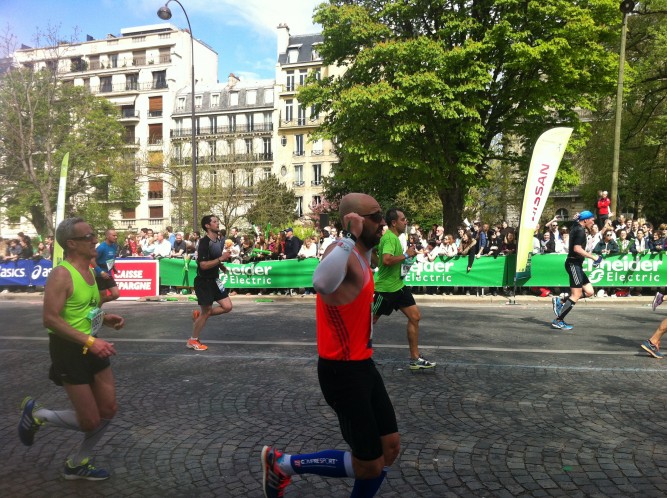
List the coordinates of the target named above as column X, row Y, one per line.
column 273, row 203
column 41, row 119
column 643, row 158
column 435, row 90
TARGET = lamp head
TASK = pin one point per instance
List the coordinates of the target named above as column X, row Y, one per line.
column 164, row 13
column 627, row 6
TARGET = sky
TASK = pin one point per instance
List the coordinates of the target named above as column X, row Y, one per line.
column 242, row 32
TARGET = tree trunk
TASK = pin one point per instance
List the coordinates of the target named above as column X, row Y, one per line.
column 452, row 199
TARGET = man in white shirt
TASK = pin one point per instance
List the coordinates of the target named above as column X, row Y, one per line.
column 162, row 247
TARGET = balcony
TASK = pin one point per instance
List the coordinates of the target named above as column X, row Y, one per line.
column 82, row 65
column 227, row 159
column 299, row 153
column 127, row 87
column 315, row 183
column 298, row 183
column 223, row 130
column 301, row 122
column 155, row 194
column 155, row 114
column 129, row 114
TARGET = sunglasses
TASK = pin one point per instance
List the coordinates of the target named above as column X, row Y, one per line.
column 375, row 217
column 88, row 236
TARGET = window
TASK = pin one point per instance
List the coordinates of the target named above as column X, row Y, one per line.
column 129, row 135
column 197, row 125
column 317, row 174
column 155, row 134
column 298, row 175
column 268, row 96
column 267, row 122
column 138, row 58
column 248, row 178
column 105, row 84
column 180, row 106
column 113, row 60
column 317, row 147
column 289, row 110
column 131, row 81
column 248, row 145
column 289, row 85
column 301, row 115
column 77, row 64
column 198, row 99
column 159, row 79
column 317, row 200
column 292, row 55
column 266, row 173
column 313, row 113
column 250, row 120
column 155, row 107
column 156, row 212
column 266, row 149
column 214, row 124
column 164, row 36
column 155, row 189
column 251, row 97
column 94, row 61
column 232, row 178
column 138, row 39
column 231, row 147
column 128, row 213
column 215, row 100
column 298, row 145
column 302, row 77
column 128, row 111
column 299, row 206
column 314, row 54
column 232, row 122
column 212, row 149
column 563, row 213
column 234, row 98
column 178, row 152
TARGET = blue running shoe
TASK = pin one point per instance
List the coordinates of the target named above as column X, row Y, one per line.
column 652, row 349
column 560, row 324
column 557, row 305
column 28, row 425
column 84, row 471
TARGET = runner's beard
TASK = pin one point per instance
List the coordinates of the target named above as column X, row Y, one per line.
column 371, row 239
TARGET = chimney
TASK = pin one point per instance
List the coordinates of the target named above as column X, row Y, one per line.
column 283, row 38
column 232, row 80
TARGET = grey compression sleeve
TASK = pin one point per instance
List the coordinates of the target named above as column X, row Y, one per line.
column 331, row 271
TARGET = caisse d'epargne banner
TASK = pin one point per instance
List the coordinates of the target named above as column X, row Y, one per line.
column 548, row 270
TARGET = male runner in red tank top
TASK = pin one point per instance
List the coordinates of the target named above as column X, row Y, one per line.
column 351, row 384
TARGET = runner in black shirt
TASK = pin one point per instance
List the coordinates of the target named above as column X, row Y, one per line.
column 208, row 286
column 579, row 282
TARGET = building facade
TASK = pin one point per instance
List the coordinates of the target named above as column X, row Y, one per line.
column 140, row 71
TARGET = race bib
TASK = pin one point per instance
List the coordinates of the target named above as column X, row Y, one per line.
column 220, row 284
column 405, row 267
column 96, row 318
column 110, row 263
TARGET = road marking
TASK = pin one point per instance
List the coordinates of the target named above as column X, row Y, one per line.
column 376, row 346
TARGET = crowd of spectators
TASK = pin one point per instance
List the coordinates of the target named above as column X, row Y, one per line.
column 471, row 240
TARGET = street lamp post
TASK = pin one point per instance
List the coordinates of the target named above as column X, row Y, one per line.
column 165, row 13
column 626, row 7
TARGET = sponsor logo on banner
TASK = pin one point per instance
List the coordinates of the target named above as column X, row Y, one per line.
column 39, row 272
column 136, row 278
column 12, row 272
column 630, row 271
column 250, row 274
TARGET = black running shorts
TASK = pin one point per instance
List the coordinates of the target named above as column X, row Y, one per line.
column 207, row 291
column 384, row 303
column 577, row 276
column 69, row 365
column 356, row 392
column 105, row 283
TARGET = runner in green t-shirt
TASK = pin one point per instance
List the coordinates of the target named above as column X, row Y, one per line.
column 390, row 291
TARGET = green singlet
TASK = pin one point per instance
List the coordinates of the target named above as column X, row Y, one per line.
column 81, row 309
column 388, row 278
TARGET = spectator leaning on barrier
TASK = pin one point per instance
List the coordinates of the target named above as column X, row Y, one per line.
column 179, row 247
column 607, row 246
column 292, row 244
column 162, row 247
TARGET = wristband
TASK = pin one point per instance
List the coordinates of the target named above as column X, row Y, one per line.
column 88, row 344
column 405, row 255
column 350, row 235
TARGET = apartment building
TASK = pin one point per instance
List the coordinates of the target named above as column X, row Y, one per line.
column 141, row 71
column 234, row 133
column 300, row 161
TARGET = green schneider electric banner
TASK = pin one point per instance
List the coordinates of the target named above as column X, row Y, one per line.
column 547, row 271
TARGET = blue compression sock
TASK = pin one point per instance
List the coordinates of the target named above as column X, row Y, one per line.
column 327, row 463
column 366, row 488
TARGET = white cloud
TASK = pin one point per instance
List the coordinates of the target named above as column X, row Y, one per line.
column 260, row 15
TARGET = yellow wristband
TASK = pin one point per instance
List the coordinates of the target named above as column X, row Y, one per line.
column 88, row 344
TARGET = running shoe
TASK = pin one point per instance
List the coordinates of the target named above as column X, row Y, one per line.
column 85, row 471
column 421, row 364
column 196, row 345
column 560, row 324
column 274, row 480
column 28, row 425
column 652, row 349
column 195, row 314
column 557, row 305
column 657, row 300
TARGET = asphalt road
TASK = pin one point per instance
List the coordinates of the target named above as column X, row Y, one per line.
column 514, row 408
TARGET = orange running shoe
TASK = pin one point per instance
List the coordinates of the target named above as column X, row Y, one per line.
column 196, row 345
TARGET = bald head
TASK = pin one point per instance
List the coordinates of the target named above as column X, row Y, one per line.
column 358, row 203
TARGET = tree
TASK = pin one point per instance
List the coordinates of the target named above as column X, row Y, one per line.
column 433, row 91
column 274, row 203
column 42, row 118
column 643, row 158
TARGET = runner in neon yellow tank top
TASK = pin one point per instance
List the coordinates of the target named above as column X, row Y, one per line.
column 79, row 360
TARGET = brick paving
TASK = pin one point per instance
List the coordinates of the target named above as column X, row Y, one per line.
column 487, row 424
